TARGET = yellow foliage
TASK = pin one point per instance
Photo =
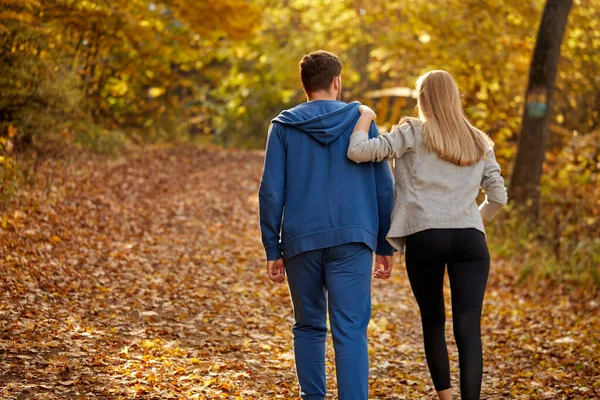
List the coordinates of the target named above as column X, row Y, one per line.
column 16, row 16
column 29, row 4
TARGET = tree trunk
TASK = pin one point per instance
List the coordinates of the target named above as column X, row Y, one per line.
column 361, row 53
column 524, row 188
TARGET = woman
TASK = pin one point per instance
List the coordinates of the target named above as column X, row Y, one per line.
column 441, row 163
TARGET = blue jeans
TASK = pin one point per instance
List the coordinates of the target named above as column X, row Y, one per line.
column 339, row 279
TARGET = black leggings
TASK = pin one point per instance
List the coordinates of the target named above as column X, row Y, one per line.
column 466, row 254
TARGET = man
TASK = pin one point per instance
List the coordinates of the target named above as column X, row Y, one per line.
column 334, row 213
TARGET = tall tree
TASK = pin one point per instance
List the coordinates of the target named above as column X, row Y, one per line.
column 527, row 170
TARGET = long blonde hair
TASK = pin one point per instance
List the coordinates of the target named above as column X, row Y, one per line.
column 446, row 130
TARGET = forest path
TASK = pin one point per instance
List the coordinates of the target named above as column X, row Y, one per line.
column 143, row 277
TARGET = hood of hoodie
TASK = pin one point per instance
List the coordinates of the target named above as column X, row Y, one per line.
column 323, row 120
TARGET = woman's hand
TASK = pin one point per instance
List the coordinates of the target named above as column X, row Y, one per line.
column 367, row 112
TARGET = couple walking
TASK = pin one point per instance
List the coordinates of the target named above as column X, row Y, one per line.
column 328, row 201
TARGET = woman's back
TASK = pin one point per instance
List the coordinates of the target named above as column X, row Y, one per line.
column 431, row 192
column 437, row 193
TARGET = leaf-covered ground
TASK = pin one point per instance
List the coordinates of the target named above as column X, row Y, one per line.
column 143, row 277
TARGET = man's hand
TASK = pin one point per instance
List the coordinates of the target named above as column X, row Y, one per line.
column 367, row 112
column 276, row 271
column 383, row 266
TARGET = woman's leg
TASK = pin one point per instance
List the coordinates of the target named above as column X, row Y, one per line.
column 425, row 266
column 306, row 280
column 468, row 272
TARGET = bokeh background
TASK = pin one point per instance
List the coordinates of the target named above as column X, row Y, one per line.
column 98, row 75
column 131, row 148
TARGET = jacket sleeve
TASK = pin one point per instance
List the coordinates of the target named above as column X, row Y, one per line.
column 366, row 148
column 271, row 194
column 385, row 200
column 492, row 185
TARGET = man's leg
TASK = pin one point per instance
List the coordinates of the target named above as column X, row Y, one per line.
column 348, row 271
column 307, row 289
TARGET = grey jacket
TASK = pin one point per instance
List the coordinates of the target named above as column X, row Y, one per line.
column 431, row 192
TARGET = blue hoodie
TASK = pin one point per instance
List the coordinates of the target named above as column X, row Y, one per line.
column 310, row 186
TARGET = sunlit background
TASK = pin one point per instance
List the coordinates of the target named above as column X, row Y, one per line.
column 131, row 137
column 100, row 74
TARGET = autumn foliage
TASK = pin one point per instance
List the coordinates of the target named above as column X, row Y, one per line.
column 143, row 277
column 100, row 75
column 130, row 258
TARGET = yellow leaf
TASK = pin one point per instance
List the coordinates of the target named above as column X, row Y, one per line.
column 156, row 92
column 383, row 324
column 209, row 382
column 12, row 131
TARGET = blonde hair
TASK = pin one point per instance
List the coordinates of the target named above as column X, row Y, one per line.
column 446, row 130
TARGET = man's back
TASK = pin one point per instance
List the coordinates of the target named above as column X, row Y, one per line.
column 327, row 199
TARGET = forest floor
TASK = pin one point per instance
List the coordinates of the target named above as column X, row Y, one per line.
column 143, row 277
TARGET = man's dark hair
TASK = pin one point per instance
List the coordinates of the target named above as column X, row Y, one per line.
column 318, row 69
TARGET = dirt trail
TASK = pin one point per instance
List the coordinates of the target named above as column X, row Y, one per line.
column 143, row 277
